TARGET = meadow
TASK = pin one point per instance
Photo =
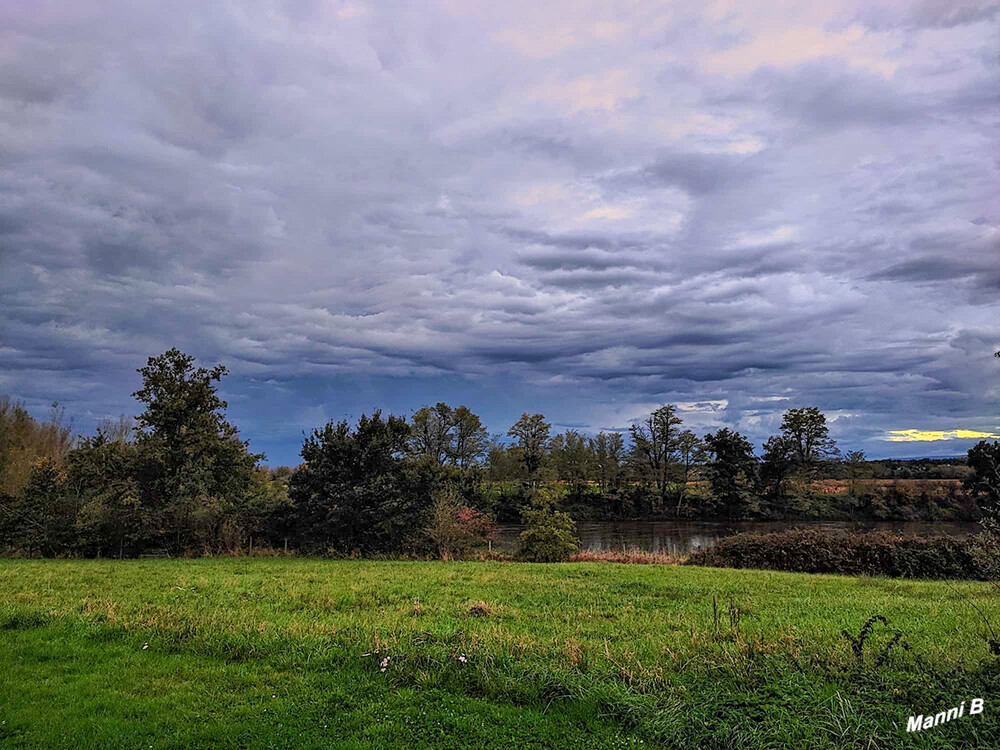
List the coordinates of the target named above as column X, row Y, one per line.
column 296, row 652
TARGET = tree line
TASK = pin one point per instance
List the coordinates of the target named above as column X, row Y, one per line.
column 178, row 479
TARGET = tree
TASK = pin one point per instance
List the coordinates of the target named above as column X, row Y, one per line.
column 731, row 469
column 201, row 464
column 431, row 433
column 857, row 469
column 502, row 463
column 778, row 461
column 654, row 446
column 456, row 436
column 690, row 452
column 42, row 517
column 471, row 439
column 572, row 458
column 608, row 450
column 984, row 458
column 104, row 474
column 809, row 435
column 532, row 435
column 355, row 491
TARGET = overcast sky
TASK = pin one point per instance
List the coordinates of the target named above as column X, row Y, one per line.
column 586, row 210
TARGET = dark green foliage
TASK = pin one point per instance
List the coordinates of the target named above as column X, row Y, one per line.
column 550, row 536
column 40, row 520
column 470, row 439
column 448, row 436
column 807, row 435
column 431, row 434
column 116, row 516
column 201, row 465
column 984, row 458
column 848, row 553
column 182, row 482
column 509, row 500
column 777, row 463
column 731, row 471
column 355, row 491
column 654, row 448
column 532, row 435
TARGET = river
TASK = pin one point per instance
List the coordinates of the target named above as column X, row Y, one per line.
column 680, row 538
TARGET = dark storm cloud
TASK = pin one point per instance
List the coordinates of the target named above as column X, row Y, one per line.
column 736, row 208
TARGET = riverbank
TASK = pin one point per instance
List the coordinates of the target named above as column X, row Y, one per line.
column 309, row 653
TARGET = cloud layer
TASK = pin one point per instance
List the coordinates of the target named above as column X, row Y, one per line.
column 570, row 208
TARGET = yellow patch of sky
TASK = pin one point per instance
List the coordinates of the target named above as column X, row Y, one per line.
column 930, row 436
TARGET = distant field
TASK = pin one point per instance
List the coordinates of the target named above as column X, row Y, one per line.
column 291, row 652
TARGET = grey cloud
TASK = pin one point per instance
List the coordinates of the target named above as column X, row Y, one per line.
column 698, row 173
column 929, row 14
column 404, row 204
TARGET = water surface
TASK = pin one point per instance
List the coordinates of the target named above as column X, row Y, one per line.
column 682, row 537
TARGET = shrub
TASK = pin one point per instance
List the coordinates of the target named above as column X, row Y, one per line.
column 457, row 529
column 550, row 536
column 985, row 547
column 848, row 553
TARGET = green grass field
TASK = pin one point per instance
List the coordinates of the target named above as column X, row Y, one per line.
column 307, row 653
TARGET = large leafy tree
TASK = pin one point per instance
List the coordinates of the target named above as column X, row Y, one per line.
column 471, row 439
column 446, row 435
column 777, row 463
column 807, row 433
column 690, row 453
column 731, row 470
column 654, row 446
column 201, row 465
column 355, row 490
column 531, row 432
column 431, row 433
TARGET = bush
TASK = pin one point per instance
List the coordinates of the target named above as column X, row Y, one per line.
column 457, row 529
column 985, row 548
column 876, row 553
column 550, row 536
